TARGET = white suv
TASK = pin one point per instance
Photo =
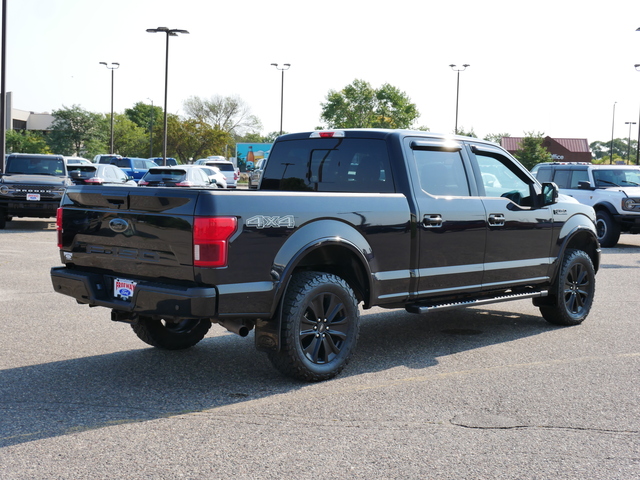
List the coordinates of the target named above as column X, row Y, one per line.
column 226, row 168
column 612, row 190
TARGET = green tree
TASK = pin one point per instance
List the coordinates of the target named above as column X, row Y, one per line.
column 129, row 139
column 73, row 128
column 26, row 141
column 496, row 137
column 151, row 119
column 359, row 105
column 601, row 151
column 470, row 133
column 191, row 139
column 145, row 115
column 531, row 151
column 227, row 114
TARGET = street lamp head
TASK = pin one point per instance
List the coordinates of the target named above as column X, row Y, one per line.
column 171, row 32
column 636, row 66
column 285, row 66
column 461, row 69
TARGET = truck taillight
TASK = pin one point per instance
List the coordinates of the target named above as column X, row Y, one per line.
column 59, row 226
column 211, row 240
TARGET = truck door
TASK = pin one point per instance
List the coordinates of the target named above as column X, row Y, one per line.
column 519, row 234
column 452, row 226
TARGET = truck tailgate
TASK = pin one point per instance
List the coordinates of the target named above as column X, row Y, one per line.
column 135, row 231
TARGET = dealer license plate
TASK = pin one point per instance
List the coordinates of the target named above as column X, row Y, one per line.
column 33, row 197
column 123, row 289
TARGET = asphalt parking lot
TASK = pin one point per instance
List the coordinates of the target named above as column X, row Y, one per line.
column 481, row 393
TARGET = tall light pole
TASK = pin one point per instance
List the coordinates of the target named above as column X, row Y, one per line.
column 636, row 66
column 629, row 140
column 111, row 67
column 457, row 69
column 613, row 123
column 284, row 67
column 170, row 33
column 151, row 130
column 3, row 87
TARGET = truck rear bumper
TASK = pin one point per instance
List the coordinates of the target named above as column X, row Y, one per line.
column 149, row 298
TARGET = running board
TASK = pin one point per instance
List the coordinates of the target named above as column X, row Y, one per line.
column 421, row 308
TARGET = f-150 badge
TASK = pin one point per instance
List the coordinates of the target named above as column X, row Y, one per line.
column 263, row 221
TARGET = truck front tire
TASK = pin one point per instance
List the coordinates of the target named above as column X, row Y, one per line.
column 607, row 228
column 171, row 336
column 573, row 291
column 320, row 327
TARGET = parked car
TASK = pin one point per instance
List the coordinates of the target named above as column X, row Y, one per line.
column 225, row 166
column 133, row 167
column 178, row 176
column 612, row 190
column 76, row 161
column 170, row 161
column 214, row 174
column 256, row 174
column 100, row 174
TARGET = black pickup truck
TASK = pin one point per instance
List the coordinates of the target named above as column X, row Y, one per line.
column 389, row 218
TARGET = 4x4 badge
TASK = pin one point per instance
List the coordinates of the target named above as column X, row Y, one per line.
column 560, row 211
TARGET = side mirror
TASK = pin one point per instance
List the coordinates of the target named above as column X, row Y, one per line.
column 585, row 186
column 549, row 193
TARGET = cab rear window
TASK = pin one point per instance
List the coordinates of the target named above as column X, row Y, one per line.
column 329, row 165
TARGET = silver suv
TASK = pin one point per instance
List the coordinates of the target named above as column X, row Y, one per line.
column 612, row 190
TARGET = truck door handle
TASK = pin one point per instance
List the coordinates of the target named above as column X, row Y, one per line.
column 496, row 219
column 433, row 220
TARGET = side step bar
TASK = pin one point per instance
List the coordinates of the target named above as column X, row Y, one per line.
column 426, row 308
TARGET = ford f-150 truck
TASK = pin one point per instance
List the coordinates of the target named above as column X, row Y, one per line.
column 390, row 218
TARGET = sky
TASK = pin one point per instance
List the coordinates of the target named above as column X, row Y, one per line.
column 563, row 68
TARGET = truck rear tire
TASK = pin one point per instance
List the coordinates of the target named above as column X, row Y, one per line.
column 171, row 336
column 320, row 327
column 573, row 291
column 607, row 228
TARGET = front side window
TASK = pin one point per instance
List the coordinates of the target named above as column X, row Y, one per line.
column 501, row 181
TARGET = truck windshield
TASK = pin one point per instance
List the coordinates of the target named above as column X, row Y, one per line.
column 617, row 177
column 35, row 166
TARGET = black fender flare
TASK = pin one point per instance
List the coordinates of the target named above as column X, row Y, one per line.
column 313, row 236
column 577, row 232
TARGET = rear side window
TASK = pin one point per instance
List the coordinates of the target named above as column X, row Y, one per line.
column 544, row 175
column 441, row 172
column 562, row 178
column 329, row 165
